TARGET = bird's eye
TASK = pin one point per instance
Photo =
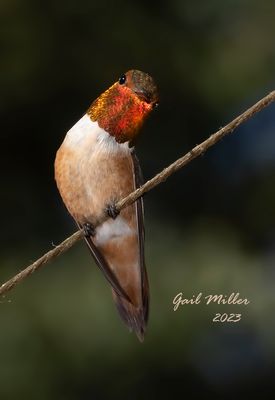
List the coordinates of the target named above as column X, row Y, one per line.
column 122, row 79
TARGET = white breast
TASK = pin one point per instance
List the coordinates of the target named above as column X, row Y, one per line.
column 98, row 139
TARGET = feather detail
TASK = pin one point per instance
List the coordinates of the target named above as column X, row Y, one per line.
column 136, row 317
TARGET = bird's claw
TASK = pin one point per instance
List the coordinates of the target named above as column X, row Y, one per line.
column 112, row 211
column 88, row 229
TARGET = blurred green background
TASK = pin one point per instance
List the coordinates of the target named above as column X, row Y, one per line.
column 210, row 228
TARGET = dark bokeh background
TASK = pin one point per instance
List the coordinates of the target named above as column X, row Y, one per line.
column 210, row 228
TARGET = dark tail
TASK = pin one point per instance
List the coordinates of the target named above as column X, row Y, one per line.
column 134, row 317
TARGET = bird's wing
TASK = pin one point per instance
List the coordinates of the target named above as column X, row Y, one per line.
column 138, row 179
column 103, row 265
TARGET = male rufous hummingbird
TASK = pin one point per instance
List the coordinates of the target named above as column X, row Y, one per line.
column 95, row 167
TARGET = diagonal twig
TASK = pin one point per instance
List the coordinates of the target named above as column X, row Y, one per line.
column 149, row 185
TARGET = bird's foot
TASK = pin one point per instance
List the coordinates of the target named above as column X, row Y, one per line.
column 112, row 211
column 89, row 230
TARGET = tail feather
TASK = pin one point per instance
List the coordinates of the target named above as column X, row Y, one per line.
column 134, row 317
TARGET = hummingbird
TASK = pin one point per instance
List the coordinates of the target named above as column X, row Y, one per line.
column 95, row 166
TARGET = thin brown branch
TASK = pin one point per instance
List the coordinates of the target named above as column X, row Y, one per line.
column 47, row 257
column 156, row 180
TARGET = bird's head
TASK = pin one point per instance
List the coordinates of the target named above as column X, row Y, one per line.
column 122, row 109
